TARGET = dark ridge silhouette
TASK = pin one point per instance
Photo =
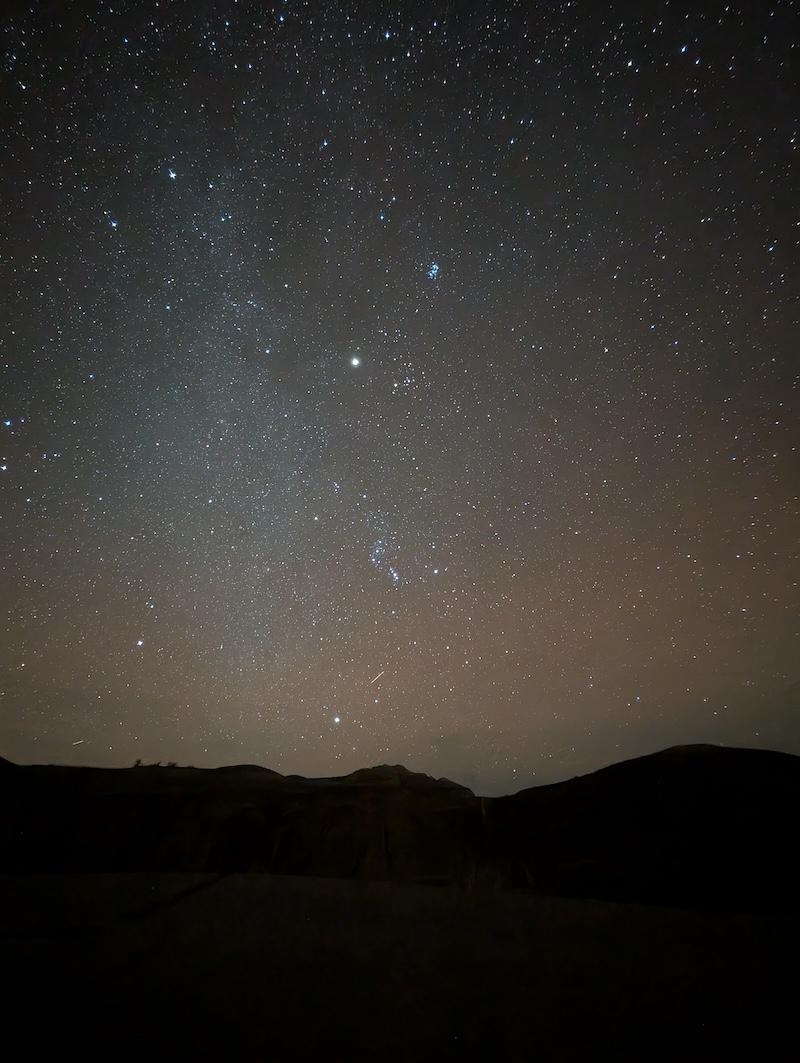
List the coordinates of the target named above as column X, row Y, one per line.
column 691, row 826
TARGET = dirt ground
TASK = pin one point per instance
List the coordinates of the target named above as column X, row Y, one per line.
column 256, row 967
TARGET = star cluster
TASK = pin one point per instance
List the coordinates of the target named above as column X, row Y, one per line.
column 409, row 383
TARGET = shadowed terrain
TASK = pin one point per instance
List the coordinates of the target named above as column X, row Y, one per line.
column 133, row 911
column 267, row 967
column 693, row 826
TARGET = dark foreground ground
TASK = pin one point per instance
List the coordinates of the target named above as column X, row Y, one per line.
column 269, row 967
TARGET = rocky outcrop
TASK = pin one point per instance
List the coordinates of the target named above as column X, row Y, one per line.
column 698, row 826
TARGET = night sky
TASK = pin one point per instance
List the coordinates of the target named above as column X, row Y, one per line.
column 409, row 383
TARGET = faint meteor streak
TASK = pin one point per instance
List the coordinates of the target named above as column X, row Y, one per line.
column 79, row 742
column 377, row 677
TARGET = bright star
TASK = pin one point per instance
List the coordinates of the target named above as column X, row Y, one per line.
column 355, row 362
